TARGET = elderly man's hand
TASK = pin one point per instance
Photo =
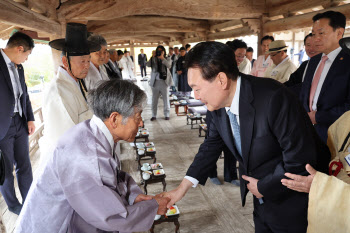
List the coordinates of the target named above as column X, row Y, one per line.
column 312, row 116
column 253, row 186
column 142, row 197
column 300, row 183
column 162, row 202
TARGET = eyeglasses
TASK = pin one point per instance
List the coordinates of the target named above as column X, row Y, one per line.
column 272, row 55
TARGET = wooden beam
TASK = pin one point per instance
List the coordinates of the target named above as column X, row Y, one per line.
column 147, row 23
column 295, row 6
column 301, row 21
column 244, row 31
column 195, row 9
column 18, row 15
column 226, row 25
column 115, row 36
column 253, row 24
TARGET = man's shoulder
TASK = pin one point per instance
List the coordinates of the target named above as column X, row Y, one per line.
column 260, row 88
column 72, row 137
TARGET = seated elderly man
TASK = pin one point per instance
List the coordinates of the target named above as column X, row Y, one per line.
column 82, row 188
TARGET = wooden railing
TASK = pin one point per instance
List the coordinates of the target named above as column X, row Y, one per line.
column 39, row 128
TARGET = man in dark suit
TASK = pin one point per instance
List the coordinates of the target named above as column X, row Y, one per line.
column 266, row 129
column 296, row 79
column 325, row 92
column 114, row 58
column 142, row 59
column 113, row 72
column 16, row 119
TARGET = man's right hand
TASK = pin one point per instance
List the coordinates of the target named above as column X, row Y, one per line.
column 178, row 193
column 162, row 204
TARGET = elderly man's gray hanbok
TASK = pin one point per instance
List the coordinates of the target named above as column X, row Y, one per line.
column 81, row 189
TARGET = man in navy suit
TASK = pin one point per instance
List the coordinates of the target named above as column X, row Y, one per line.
column 16, row 119
column 266, row 129
column 325, row 92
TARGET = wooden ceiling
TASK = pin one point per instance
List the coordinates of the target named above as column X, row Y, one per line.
column 162, row 21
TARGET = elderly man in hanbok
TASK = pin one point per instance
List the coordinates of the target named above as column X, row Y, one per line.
column 329, row 196
column 64, row 103
column 97, row 72
column 123, row 64
column 282, row 66
column 82, row 188
column 130, row 65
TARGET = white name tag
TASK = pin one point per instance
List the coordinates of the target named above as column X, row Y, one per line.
column 274, row 73
column 265, row 65
column 347, row 159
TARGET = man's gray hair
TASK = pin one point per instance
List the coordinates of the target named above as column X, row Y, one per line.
column 111, row 51
column 119, row 96
column 98, row 39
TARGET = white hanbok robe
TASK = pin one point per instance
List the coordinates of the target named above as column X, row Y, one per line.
column 123, row 63
column 245, row 67
column 282, row 71
column 82, row 190
column 95, row 76
column 63, row 107
column 131, row 67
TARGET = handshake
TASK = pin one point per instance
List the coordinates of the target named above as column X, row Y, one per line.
column 165, row 201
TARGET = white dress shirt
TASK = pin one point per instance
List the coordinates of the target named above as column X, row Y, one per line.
column 234, row 108
column 331, row 57
column 13, row 81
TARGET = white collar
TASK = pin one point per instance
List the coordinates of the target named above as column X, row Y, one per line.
column 94, row 68
column 65, row 73
column 332, row 55
column 265, row 60
column 6, row 58
column 101, row 125
column 235, row 102
column 284, row 60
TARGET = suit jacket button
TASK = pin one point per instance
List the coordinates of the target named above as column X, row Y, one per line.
column 249, row 173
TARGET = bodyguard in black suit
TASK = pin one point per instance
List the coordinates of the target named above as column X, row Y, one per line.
column 266, row 129
column 332, row 96
column 142, row 60
column 16, row 119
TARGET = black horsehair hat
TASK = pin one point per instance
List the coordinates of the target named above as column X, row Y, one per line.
column 75, row 43
column 345, row 44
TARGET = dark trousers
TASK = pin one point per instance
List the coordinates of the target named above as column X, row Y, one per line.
column 15, row 148
column 265, row 224
column 143, row 69
column 230, row 170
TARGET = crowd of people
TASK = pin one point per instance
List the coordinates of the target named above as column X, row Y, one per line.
column 275, row 119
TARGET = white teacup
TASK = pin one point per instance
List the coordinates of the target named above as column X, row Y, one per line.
column 145, row 165
column 141, row 152
column 146, row 175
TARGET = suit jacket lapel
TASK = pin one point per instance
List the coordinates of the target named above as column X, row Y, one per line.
column 227, row 135
column 331, row 73
column 5, row 72
column 246, row 118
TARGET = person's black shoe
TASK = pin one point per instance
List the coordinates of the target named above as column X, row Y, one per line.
column 153, row 118
column 16, row 209
column 167, row 118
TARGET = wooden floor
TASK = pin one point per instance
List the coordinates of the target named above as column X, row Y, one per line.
column 207, row 209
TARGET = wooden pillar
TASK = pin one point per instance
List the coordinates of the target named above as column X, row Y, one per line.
column 132, row 53
column 56, row 54
column 261, row 33
column 293, row 46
